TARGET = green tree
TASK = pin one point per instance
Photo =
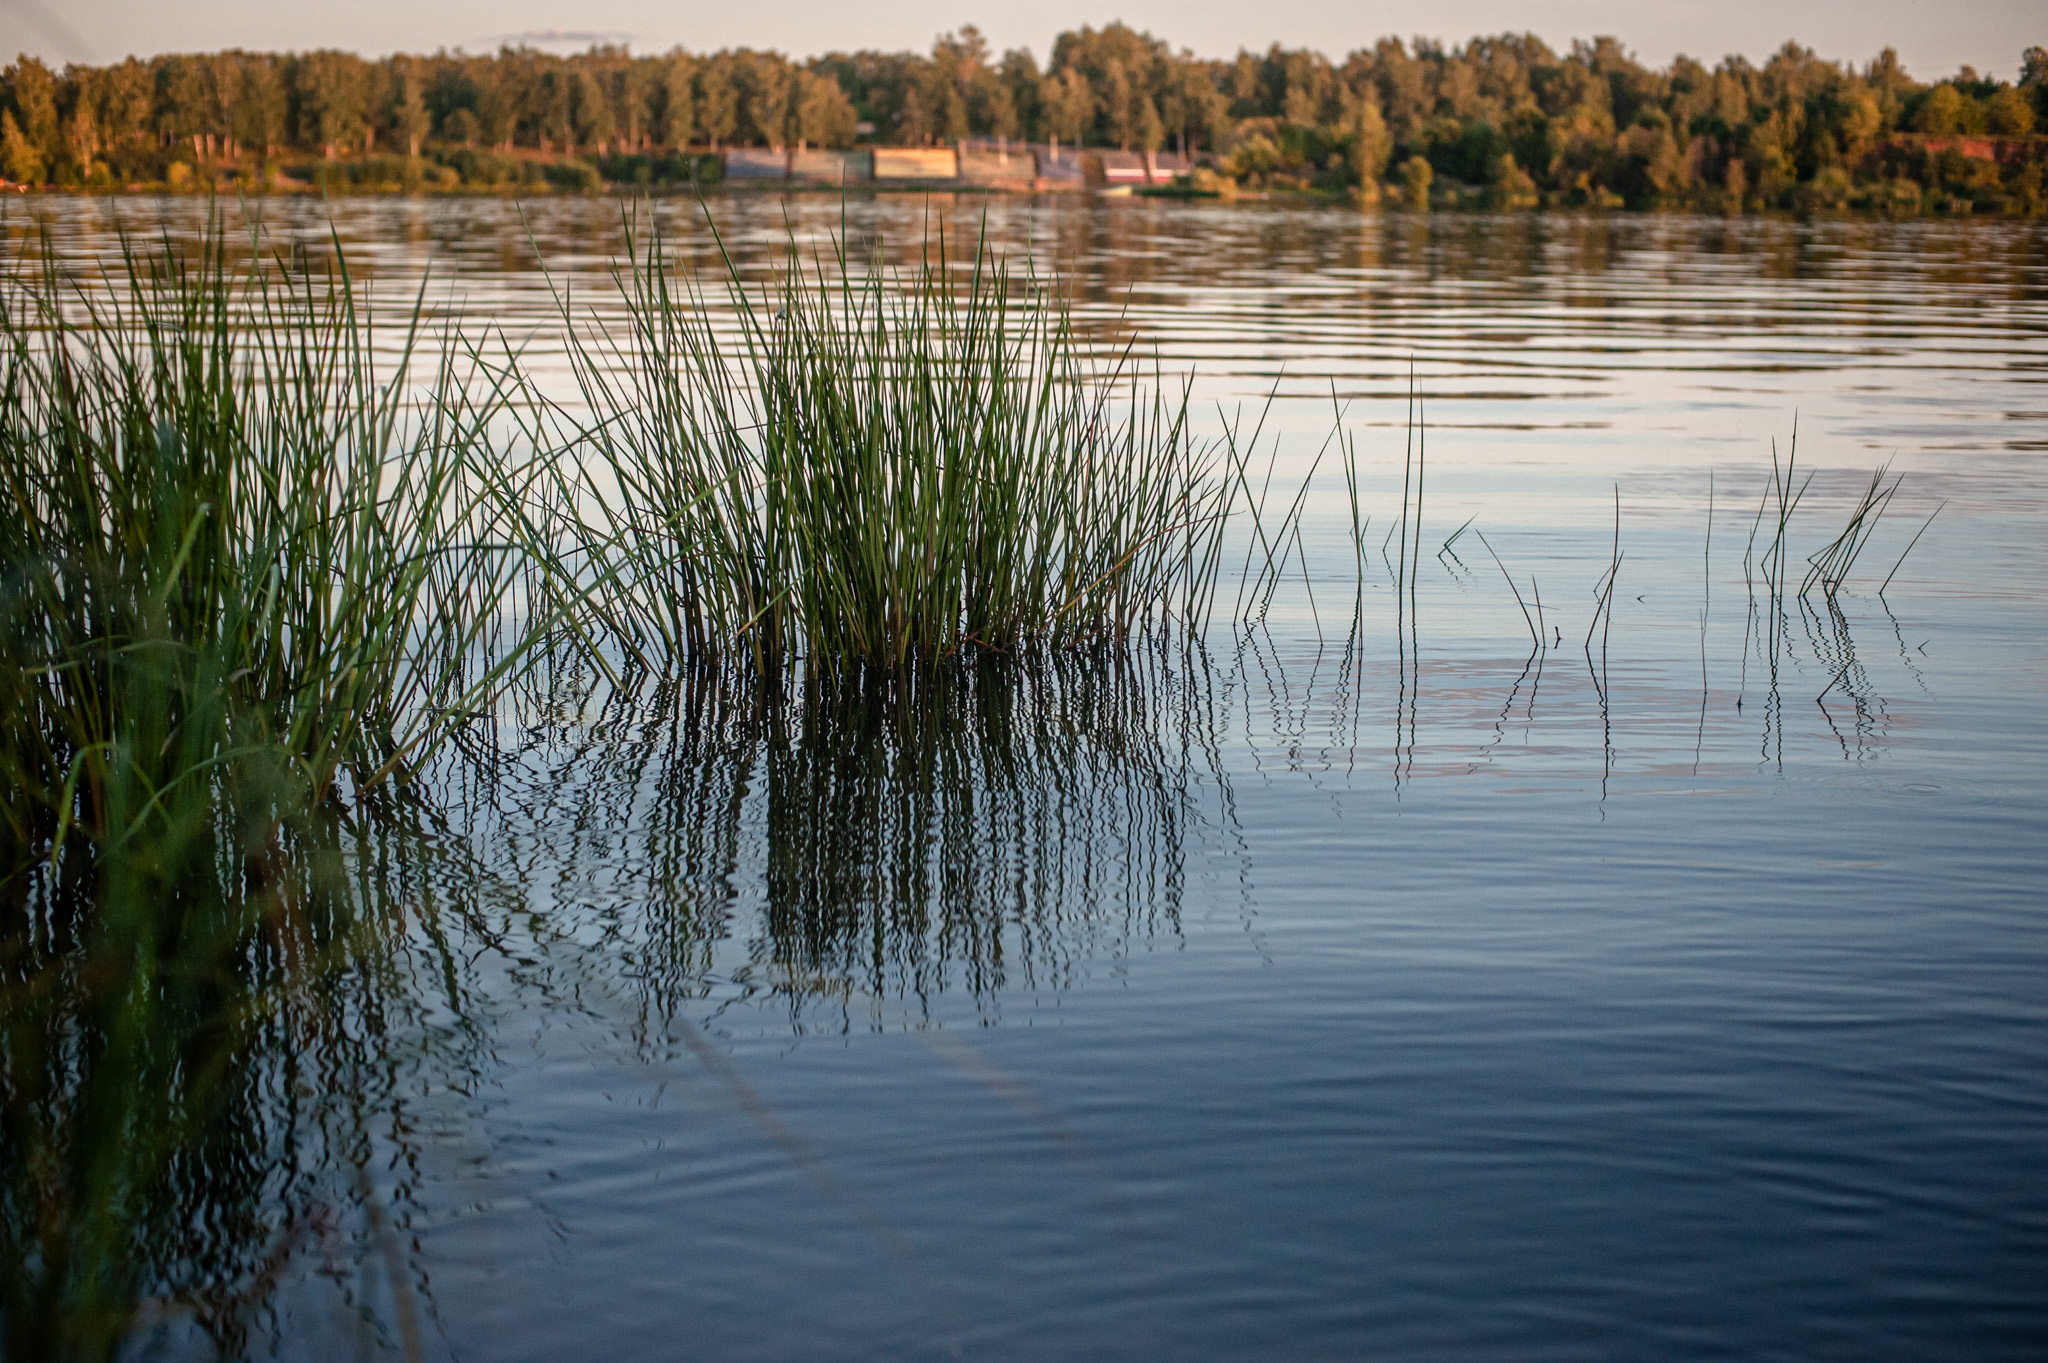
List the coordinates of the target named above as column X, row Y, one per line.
column 1118, row 65
column 1508, row 185
column 762, row 82
column 1150, row 130
column 1191, row 105
column 29, row 90
column 221, row 79
column 949, row 111
column 1402, row 86
column 82, row 138
column 1767, row 157
column 993, row 110
column 1416, row 175
column 1300, row 85
column 554, row 107
column 677, row 120
column 1650, row 165
column 1370, row 145
column 912, row 122
column 819, row 112
column 1856, row 121
column 405, row 111
column 717, row 103
column 591, row 120
column 333, row 100
column 1068, row 105
column 960, row 84
column 1116, row 105
column 2009, row 114
column 1020, row 77
column 257, row 118
column 513, row 96
column 182, row 99
column 629, row 84
column 1941, row 112
column 2034, row 82
column 125, row 103
column 497, row 114
column 19, row 155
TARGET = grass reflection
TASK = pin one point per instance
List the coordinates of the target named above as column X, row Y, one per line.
column 863, row 839
column 209, row 1057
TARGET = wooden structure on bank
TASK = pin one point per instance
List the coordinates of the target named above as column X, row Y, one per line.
column 990, row 163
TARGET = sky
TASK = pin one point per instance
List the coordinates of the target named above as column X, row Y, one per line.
column 1933, row 37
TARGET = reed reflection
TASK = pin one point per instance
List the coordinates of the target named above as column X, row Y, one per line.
column 862, row 843
column 220, row 1050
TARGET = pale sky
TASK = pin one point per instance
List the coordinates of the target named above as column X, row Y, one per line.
column 1933, row 37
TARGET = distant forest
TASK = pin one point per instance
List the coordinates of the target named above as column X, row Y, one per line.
column 1504, row 120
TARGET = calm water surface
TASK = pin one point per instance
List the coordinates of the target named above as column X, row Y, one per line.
column 1371, row 986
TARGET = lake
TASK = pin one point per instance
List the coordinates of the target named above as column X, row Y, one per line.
column 1371, row 982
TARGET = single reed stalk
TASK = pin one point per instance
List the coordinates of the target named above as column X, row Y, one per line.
column 1353, row 497
column 1407, row 477
column 1613, row 574
column 1603, row 606
column 1535, row 634
column 1909, row 548
column 1706, row 581
column 1445, row 547
column 1421, row 459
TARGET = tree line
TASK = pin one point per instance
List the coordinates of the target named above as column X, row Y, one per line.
column 1505, row 117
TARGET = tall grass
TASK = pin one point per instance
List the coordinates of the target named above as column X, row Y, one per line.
column 252, row 562
column 868, row 468
column 232, row 534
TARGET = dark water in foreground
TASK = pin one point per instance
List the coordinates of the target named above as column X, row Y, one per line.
column 1372, row 986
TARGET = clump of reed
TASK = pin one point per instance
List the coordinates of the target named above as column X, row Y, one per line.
column 870, row 468
column 233, row 536
column 1829, row 567
column 256, row 557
